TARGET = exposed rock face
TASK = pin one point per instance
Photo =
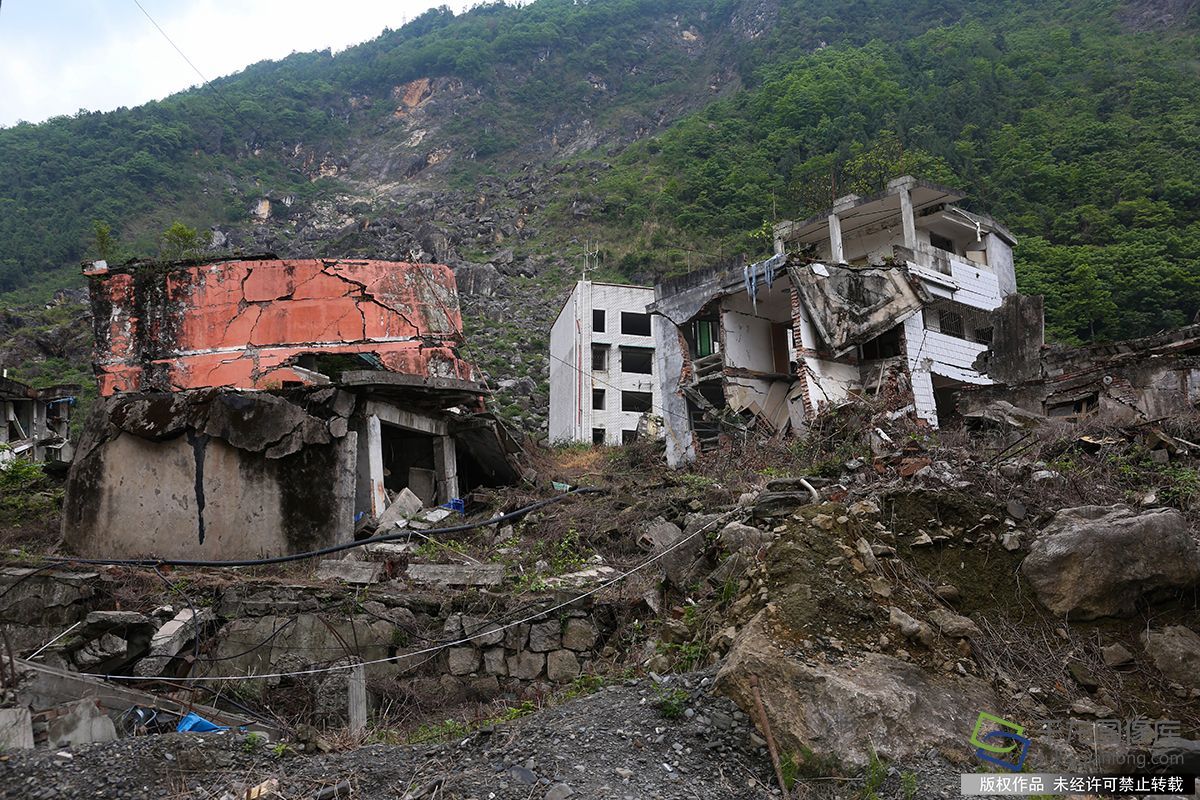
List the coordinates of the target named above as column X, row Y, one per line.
column 844, row 709
column 1175, row 650
column 1100, row 561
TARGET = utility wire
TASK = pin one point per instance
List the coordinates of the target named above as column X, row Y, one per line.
column 324, row 551
column 438, row 648
column 206, row 82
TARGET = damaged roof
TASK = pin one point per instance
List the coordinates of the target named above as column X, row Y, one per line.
column 263, row 323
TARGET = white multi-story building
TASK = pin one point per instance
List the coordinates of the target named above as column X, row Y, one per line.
column 602, row 370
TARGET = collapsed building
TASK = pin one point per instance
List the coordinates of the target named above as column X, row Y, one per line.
column 37, row 422
column 255, row 406
column 1151, row 378
column 891, row 295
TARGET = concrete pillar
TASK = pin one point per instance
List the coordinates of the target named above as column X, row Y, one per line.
column 445, row 464
column 907, row 219
column 836, row 253
column 902, row 187
column 379, row 501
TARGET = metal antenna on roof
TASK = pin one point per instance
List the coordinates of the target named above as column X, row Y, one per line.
column 591, row 258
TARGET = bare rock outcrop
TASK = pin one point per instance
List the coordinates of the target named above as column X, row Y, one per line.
column 848, row 708
column 1100, row 561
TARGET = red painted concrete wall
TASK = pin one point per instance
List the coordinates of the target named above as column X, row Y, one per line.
column 242, row 324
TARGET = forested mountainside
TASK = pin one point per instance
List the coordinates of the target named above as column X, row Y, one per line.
column 665, row 132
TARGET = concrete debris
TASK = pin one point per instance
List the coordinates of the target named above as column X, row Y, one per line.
column 405, row 505
column 457, row 574
column 170, row 639
column 359, row 573
column 79, row 723
column 16, row 729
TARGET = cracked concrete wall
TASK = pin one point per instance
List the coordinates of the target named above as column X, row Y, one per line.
column 244, row 323
column 213, row 474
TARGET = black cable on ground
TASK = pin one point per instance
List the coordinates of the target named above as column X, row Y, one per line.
column 325, row 551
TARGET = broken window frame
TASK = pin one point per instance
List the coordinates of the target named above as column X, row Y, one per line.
column 598, row 437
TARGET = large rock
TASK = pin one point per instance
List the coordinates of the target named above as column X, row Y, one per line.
column 1099, row 561
column 1175, row 650
column 845, row 709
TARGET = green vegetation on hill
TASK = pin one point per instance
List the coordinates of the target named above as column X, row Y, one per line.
column 1082, row 136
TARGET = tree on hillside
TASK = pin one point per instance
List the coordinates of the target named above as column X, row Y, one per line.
column 179, row 241
column 103, row 242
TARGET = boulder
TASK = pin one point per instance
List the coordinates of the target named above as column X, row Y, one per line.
column 1175, row 650
column 846, row 709
column 1100, row 561
column 954, row 625
column 738, row 536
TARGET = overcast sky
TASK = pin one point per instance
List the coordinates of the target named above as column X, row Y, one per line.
column 58, row 56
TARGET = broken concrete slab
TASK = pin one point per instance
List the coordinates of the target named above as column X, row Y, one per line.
column 16, row 729
column 657, row 534
column 359, row 573
column 382, row 551
column 457, row 574
column 170, row 639
column 585, row 577
column 79, row 723
column 404, row 506
column 435, row 515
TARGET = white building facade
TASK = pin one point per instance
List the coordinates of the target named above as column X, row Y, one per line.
column 602, row 365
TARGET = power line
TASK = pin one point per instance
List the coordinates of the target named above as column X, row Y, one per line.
column 489, row 631
column 206, row 82
column 324, row 551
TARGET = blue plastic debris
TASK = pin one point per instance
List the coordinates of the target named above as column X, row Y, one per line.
column 197, row 723
column 456, row 504
column 562, row 487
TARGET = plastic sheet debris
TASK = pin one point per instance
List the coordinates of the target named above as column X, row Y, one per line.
column 193, row 722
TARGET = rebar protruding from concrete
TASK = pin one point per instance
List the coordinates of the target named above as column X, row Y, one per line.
column 766, row 728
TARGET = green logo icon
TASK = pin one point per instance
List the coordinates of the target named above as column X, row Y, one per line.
column 988, row 740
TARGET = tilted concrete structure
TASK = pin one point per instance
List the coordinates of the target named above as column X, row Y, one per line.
column 602, row 365
column 36, row 423
column 261, row 406
column 890, row 295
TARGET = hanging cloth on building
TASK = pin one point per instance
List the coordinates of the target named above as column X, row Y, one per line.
column 750, row 276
